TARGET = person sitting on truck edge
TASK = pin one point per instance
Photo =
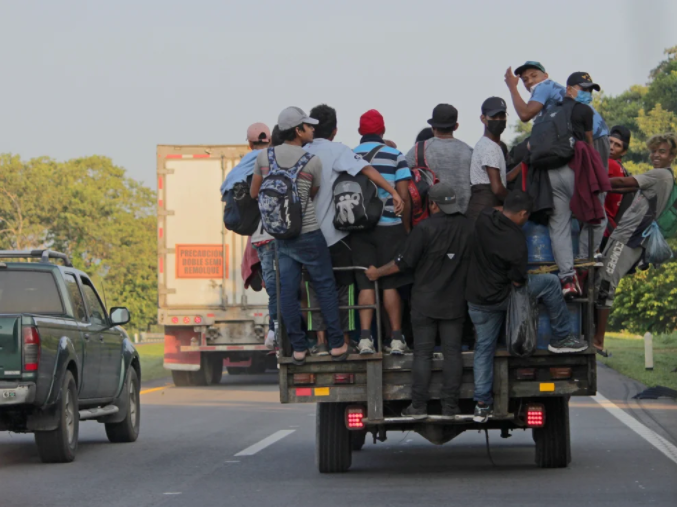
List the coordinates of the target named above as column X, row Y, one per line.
column 438, row 252
column 624, row 249
column 448, row 157
column 380, row 244
column 545, row 93
column 488, row 178
column 309, row 249
column 499, row 261
column 337, row 158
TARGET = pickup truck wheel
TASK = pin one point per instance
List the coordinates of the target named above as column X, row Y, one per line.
column 333, row 451
column 553, row 443
column 181, row 378
column 357, row 439
column 61, row 444
column 127, row 430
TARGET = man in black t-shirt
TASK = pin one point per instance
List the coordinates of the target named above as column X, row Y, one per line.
column 438, row 252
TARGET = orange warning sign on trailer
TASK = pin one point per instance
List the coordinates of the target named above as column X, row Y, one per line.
column 200, row 261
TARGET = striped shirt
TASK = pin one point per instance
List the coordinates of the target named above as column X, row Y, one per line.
column 287, row 155
column 392, row 165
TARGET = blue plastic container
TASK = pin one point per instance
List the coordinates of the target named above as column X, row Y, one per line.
column 544, row 330
column 538, row 241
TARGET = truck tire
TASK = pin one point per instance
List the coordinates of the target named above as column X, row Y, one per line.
column 205, row 375
column 357, row 439
column 127, row 430
column 61, row 444
column 333, row 451
column 217, row 370
column 258, row 365
column 181, row 378
column 553, row 442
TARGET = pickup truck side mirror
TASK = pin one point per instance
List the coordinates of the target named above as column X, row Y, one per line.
column 119, row 316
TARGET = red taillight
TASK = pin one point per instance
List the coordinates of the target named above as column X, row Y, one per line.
column 535, row 416
column 175, row 320
column 186, row 320
column 525, row 373
column 304, row 378
column 198, row 320
column 354, row 418
column 31, row 347
column 560, row 373
column 344, row 378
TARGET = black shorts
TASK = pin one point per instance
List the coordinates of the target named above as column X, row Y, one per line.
column 376, row 247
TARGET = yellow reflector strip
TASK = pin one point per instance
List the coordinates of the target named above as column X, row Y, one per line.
column 321, row 391
column 549, row 386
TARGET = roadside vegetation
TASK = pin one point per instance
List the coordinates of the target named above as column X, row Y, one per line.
column 151, row 356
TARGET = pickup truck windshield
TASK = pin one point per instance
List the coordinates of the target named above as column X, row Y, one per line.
column 29, row 292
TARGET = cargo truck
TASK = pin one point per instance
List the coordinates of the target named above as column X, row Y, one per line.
column 210, row 319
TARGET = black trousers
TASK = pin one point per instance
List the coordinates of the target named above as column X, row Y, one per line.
column 425, row 333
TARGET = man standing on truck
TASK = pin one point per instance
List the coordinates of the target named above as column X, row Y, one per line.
column 309, row 248
column 448, row 157
column 545, row 93
column 438, row 251
column 337, row 158
column 380, row 244
column 499, row 261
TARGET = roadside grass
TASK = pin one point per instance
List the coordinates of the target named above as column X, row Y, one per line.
column 152, row 356
column 628, row 358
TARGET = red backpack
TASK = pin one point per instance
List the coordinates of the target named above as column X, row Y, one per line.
column 422, row 178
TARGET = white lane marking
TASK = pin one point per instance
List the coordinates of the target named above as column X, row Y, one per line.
column 259, row 446
column 171, row 493
column 647, row 434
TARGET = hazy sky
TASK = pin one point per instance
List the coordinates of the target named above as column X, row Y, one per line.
column 118, row 77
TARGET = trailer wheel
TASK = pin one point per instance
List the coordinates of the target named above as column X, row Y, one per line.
column 217, row 370
column 553, row 442
column 333, row 451
column 181, row 378
column 357, row 439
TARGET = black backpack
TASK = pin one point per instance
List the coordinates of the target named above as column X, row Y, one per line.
column 552, row 139
column 241, row 212
column 357, row 205
column 279, row 203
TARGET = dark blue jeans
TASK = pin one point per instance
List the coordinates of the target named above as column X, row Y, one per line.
column 489, row 319
column 309, row 250
column 267, row 257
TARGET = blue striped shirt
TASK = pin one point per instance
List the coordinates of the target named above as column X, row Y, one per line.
column 392, row 165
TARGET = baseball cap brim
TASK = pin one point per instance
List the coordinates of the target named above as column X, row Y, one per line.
column 309, row 120
column 438, row 125
column 494, row 112
column 588, row 86
column 519, row 70
column 449, row 209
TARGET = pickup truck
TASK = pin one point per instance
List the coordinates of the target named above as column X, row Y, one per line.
column 63, row 358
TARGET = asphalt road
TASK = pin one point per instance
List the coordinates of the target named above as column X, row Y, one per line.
column 187, row 455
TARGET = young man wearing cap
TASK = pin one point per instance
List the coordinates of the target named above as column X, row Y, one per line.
column 337, row 158
column 624, row 249
column 499, row 262
column 380, row 244
column 545, row 93
column 309, row 249
column 448, row 157
column 438, row 252
column 488, row 178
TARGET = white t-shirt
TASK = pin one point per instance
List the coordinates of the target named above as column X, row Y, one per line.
column 486, row 154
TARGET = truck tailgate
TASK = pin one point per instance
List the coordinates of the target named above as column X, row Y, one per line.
column 10, row 346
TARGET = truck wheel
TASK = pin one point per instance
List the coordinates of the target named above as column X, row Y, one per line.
column 217, row 370
column 333, row 451
column 181, row 378
column 61, row 444
column 553, row 443
column 258, row 365
column 357, row 439
column 205, row 375
column 127, row 430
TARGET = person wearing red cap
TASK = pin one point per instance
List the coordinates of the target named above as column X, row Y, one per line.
column 379, row 245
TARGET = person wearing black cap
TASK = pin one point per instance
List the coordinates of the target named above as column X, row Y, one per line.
column 438, row 252
column 545, row 93
column 488, row 178
column 448, row 157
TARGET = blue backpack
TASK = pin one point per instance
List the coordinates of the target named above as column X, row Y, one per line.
column 279, row 203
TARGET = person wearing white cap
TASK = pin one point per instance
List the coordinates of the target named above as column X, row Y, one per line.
column 309, row 248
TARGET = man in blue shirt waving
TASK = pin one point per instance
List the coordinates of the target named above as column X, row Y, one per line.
column 545, row 93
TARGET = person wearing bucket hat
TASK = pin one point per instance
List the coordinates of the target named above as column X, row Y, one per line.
column 545, row 93
column 437, row 251
column 445, row 155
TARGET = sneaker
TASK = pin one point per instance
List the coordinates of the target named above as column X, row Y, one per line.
column 599, row 260
column 482, row 413
column 396, row 348
column 570, row 344
column 270, row 340
column 415, row 413
column 450, row 410
column 320, row 350
column 366, row 346
column 570, row 287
